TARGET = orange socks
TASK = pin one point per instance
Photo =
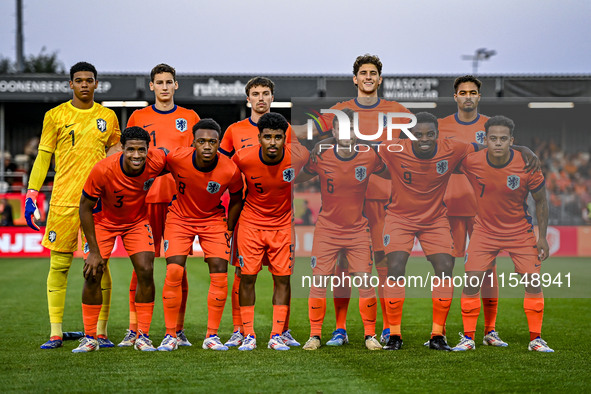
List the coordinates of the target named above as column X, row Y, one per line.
column 382, row 276
column 172, row 297
column 279, row 316
column 216, row 300
column 490, row 306
column 236, row 318
column 180, row 323
column 342, row 296
column 286, row 325
column 247, row 313
column 490, row 300
column 533, row 304
column 470, row 312
column 368, row 310
column 441, row 296
column 90, row 315
column 132, row 313
column 144, row 316
column 394, row 298
column 316, row 310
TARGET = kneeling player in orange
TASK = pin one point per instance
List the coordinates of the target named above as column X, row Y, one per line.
column 265, row 226
column 342, row 228
column 502, row 185
column 201, row 175
column 118, row 186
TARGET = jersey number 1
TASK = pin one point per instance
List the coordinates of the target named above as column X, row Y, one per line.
column 73, row 138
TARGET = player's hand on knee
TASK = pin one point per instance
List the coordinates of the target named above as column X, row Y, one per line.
column 93, row 265
column 31, row 211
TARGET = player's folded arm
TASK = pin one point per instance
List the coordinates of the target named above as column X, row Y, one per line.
column 306, row 174
column 532, row 162
column 317, row 151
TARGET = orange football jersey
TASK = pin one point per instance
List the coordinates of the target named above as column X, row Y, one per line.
column 459, row 197
column 122, row 197
column 168, row 129
column 418, row 184
column 501, row 193
column 369, row 124
column 343, row 183
column 268, row 204
column 198, row 192
column 243, row 134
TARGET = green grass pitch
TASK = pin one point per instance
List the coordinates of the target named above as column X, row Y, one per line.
column 24, row 326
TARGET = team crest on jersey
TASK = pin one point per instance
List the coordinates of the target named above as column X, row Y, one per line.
column 165, row 245
column 386, row 239
column 241, row 261
column 313, row 262
column 148, row 184
column 181, row 124
column 442, row 167
column 288, row 175
column 513, row 182
column 101, row 124
column 52, row 236
column 213, row 187
column 86, row 248
column 480, row 135
column 360, row 173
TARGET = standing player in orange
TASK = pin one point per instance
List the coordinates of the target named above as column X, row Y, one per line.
column 239, row 135
column 265, row 225
column 78, row 133
column 118, row 186
column 169, row 126
column 503, row 223
column 420, row 173
column 367, row 77
column 467, row 125
column 202, row 175
column 342, row 228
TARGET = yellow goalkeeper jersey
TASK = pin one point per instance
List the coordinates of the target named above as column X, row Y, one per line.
column 78, row 138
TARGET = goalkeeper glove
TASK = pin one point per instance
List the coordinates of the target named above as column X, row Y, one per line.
column 31, row 209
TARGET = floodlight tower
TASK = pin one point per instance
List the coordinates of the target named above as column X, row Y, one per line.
column 480, row 55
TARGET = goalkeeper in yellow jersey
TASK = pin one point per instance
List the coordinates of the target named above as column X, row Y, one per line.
column 79, row 133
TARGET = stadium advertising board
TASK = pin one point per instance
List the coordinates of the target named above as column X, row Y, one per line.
column 565, row 241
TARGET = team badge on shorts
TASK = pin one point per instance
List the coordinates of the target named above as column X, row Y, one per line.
column 360, row 173
column 479, row 136
column 241, row 261
column 213, row 187
column 442, row 167
column 288, row 175
column 165, row 245
column 313, row 262
column 101, row 124
column 148, row 184
column 52, row 236
column 181, row 124
column 513, row 182
column 386, row 239
column 86, row 248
